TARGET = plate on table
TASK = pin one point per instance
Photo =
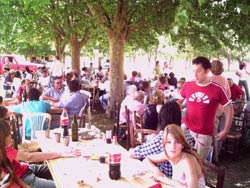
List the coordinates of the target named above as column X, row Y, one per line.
column 90, row 134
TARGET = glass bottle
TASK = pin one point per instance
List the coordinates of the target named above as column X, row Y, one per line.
column 74, row 129
column 64, row 122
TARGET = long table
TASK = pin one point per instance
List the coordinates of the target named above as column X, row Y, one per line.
column 82, row 167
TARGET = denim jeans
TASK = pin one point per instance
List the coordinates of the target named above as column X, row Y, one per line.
column 39, row 176
column 104, row 101
column 243, row 83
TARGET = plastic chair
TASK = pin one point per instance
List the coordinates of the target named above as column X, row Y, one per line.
column 37, row 121
column 83, row 114
column 81, row 117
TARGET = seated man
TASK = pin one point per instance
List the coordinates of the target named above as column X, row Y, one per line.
column 32, row 174
column 104, row 87
column 74, row 101
column 170, row 113
column 237, row 92
column 237, row 96
column 55, row 93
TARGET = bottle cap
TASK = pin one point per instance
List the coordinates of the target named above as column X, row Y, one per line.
column 102, row 159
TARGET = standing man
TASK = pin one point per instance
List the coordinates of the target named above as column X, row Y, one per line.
column 203, row 97
column 57, row 68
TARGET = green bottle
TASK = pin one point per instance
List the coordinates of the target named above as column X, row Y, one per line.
column 74, row 129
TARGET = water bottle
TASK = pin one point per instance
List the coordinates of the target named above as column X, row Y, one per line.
column 64, row 122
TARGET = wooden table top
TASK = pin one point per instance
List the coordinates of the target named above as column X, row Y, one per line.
column 82, row 167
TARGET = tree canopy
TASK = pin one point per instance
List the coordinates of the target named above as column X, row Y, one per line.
column 211, row 28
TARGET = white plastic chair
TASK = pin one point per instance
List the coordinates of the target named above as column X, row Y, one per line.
column 37, row 121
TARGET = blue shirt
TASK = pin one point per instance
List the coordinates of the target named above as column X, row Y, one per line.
column 31, row 106
column 154, row 146
column 73, row 102
column 51, row 92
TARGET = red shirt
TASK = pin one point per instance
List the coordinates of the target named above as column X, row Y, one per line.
column 202, row 102
column 20, row 168
column 236, row 92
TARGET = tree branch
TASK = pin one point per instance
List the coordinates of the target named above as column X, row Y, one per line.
column 102, row 16
column 85, row 37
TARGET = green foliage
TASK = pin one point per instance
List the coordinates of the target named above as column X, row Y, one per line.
column 202, row 27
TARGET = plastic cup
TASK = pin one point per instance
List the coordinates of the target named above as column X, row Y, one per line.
column 57, row 137
column 66, row 140
column 108, row 136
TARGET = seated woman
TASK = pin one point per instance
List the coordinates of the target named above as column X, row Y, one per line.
column 170, row 113
column 162, row 83
column 6, row 165
column 34, row 175
column 152, row 110
column 187, row 167
column 33, row 105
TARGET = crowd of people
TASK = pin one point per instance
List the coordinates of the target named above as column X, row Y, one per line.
column 189, row 116
column 205, row 110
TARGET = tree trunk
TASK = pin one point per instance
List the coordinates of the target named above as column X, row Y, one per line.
column 75, row 48
column 75, row 56
column 99, row 61
column 116, row 50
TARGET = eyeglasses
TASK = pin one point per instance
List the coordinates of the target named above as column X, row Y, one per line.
column 58, row 82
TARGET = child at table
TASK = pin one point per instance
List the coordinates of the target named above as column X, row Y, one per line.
column 33, row 174
column 187, row 167
column 6, row 165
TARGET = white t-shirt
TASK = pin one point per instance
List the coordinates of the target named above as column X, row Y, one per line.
column 57, row 69
column 44, row 81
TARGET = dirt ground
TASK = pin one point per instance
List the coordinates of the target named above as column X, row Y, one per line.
column 237, row 171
